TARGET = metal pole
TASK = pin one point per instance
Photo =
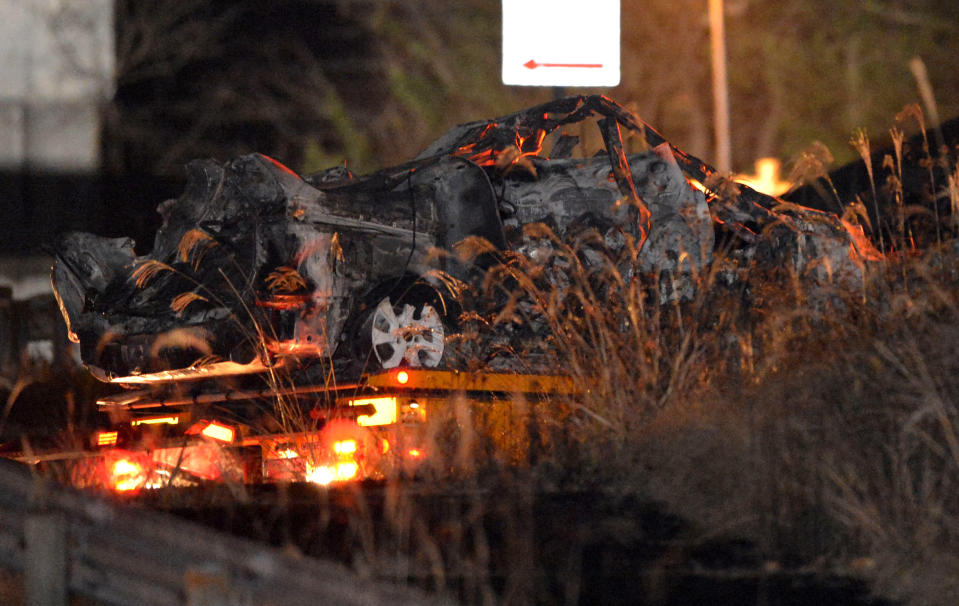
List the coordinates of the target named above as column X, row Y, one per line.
column 717, row 36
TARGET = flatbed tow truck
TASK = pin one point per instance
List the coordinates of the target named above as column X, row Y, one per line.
column 382, row 426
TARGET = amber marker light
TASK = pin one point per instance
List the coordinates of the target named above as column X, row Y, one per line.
column 156, row 421
column 402, row 377
column 106, row 438
column 385, row 413
column 218, row 431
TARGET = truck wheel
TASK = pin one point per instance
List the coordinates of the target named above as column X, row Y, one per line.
column 406, row 330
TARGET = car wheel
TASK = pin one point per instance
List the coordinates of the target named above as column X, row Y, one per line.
column 406, row 331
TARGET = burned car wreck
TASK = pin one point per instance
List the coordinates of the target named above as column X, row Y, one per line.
column 256, row 266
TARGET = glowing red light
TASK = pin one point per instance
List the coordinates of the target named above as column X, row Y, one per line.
column 344, row 447
column 127, row 475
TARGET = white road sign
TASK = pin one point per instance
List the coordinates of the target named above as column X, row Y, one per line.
column 561, row 42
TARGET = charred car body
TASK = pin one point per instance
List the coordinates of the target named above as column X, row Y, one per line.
column 256, row 266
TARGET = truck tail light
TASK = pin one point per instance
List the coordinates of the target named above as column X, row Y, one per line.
column 126, row 473
column 342, row 471
column 346, row 451
column 346, row 470
column 321, row 474
column 344, row 447
column 342, row 467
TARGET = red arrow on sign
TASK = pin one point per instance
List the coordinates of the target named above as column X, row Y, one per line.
column 532, row 64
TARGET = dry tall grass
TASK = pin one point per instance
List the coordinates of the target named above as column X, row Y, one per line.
column 820, row 421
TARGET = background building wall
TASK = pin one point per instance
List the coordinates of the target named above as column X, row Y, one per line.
column 56, row 74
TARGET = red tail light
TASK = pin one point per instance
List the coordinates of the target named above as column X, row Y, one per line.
column 342, row 471
column 344, row 447
column 126, row 472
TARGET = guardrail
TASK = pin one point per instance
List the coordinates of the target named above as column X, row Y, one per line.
column 69, row 543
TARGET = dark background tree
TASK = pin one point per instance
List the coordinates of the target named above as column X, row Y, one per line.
column 316, row 83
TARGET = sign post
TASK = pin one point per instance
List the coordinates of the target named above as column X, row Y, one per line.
column 561, row 43
column 717, row 37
